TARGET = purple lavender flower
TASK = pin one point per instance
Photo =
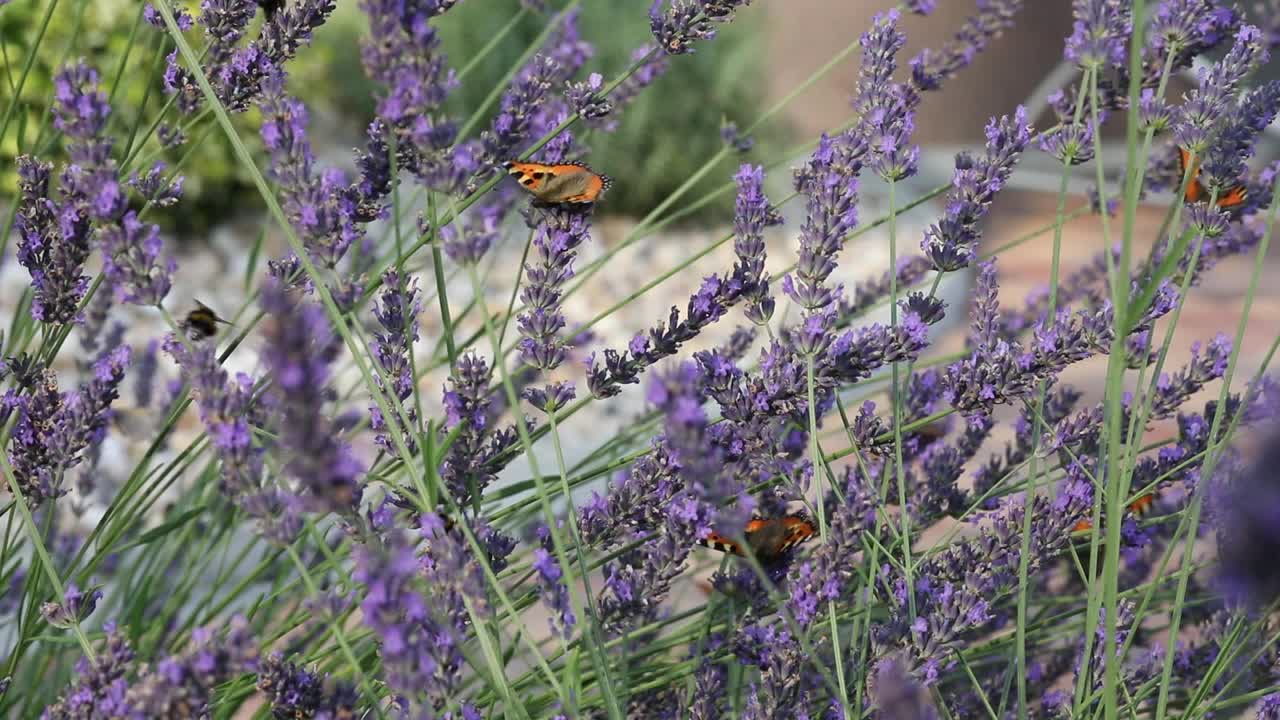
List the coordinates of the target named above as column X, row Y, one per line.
column 887, row 108
column 1244, row 509
column 229, row 410
column 1206, row 106
column 523, row 107
column 688, row 21
column 724, row 502
column 300, row 347
column 132, row 261
column 898, row 695
column 402, row 53
column 1226, row 159
column 321, row 210
column 586, row 99
column 830, row 182
column 557, row 239
column 53, row 246
column 76, row 605
column 1100, row 33
column 53, row 429
column 101, row 689
column 951, row 241
column 1071, row 143
column 752, row 214
column 476, row 455
column 182, row 685
column 1269, row 708
column 653, row 65
column 418, row 608
column 297, row 692
column 931, row 67
column 392, row 347
column 554, row 593
column 236, row 71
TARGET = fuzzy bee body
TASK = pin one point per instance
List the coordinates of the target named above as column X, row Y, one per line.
column 201, row 323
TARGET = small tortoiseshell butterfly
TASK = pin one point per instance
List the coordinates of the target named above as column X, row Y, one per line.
column 567, row 183
column 768, row 538
column 1233, row 198
column 201, row 323
column 1138, row 508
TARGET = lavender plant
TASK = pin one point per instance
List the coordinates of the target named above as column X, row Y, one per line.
column 378, row 493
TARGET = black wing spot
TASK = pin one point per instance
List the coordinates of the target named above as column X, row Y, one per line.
column 539, row 175
column 528, row 181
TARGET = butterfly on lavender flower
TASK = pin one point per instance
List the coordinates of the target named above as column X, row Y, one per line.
column 768, row 539
column 201, row 323
column 563, row 184
column 1229, row 199
column 1139, row 507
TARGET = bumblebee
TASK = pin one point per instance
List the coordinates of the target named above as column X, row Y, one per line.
column 201, row 323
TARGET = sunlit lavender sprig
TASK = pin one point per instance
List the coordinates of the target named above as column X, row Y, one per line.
column 829, row 181
column 1205, row 107
column 300, row 348
column 931, row 67
column 392, row 347
column 53, row 429
column 887, row 108
column 1099, row 34
column 685, row 22
column 752, row 214
column 561, row 57
column 1227, row 156
column 182, row 685
column 230, row 410
column 475, row 457
column 557, row 239
column 236, row 71
column 402, row 53
column 53, row 245
column 101, row 690
column 320, row 209
column 134, row 263
column 295, row 691
column 950, row 242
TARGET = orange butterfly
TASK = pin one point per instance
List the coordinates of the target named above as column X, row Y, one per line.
column 571, row 183
column 1138, row 507
column 768, row 538
column 1232, row 198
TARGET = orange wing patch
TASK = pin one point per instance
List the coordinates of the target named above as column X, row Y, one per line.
column 1233, row 198
column 566, row 183
column 1138, row 508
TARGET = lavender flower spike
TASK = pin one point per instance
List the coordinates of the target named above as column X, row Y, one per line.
column 300, row 348
column 1100, row 33
column 397, row 313
column 688, row 21
column 557, row 240
column 132, row 261
column 53, row 245
column 752, row 214
column 950, row 242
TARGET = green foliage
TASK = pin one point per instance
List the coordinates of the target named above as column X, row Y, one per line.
column 665, row 135
column 669, row 131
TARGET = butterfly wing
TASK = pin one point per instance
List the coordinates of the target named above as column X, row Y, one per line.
column 564, row 183
column 1195, row 189
column 721, row 543
column 1234, row 198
